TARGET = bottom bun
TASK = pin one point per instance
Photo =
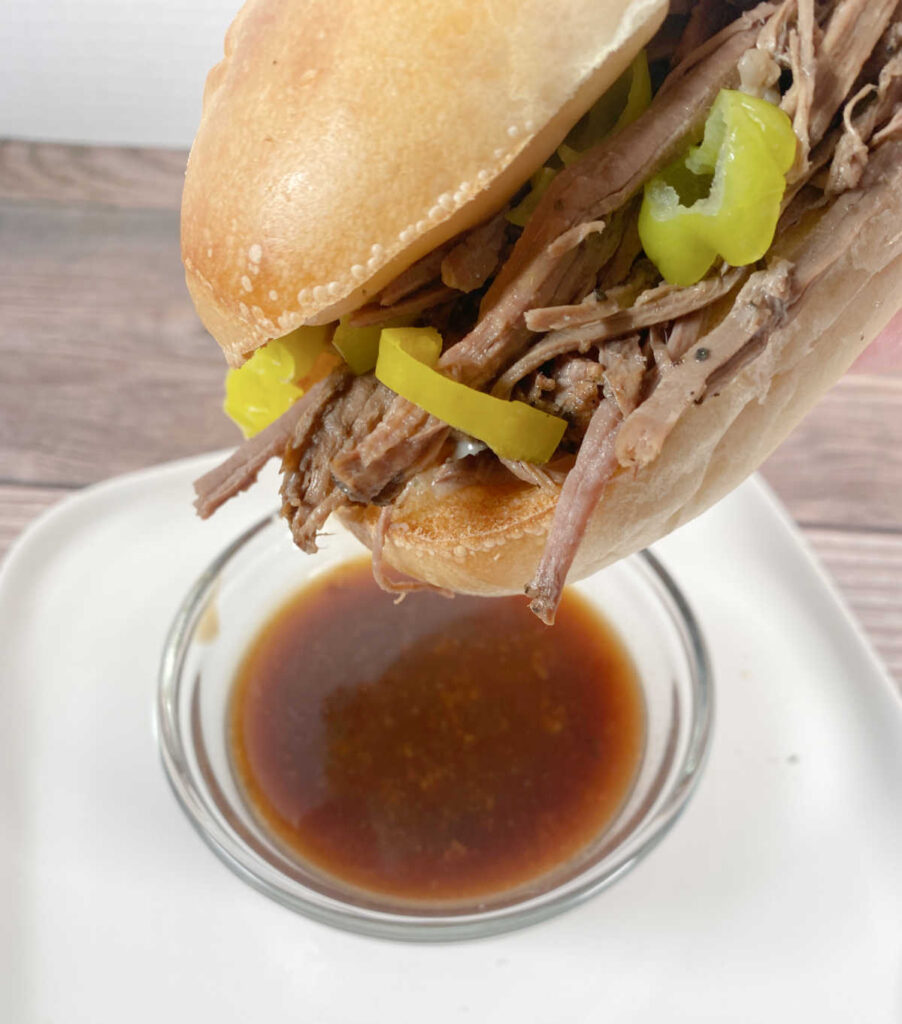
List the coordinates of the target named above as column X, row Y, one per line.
column 487, row 539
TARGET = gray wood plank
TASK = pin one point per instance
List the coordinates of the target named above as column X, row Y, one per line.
column 843, row 464
column 98, row 337
column 868, row 571
column 105, row 368
column 105, row 365
column 105, row 175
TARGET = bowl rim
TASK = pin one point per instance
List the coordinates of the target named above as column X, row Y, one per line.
column 410, row 926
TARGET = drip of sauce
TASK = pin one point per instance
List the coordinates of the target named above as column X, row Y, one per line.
column 433, row 749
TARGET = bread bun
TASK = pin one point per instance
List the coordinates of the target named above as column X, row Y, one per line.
column 341, row 140
column 483, row 540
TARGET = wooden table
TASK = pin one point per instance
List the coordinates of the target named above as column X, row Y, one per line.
column 105, row 368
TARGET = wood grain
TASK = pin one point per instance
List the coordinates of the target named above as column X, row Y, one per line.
column 105, row 365
column 843, row 464
column 867, row 569
column 105, row 368
column 148, row 179
column 99, row 334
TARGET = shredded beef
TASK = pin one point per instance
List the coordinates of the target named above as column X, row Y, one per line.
column 385, row 454
column 851, row 154
column 879, row 100
column 623, row 264
column 706, row 19
column 576, row 276
column 595, row 464
column 418, row 302
column 475, row 258
column 660, row 354
column 774, row 37
column 556, row 318
column 425, row 271
column 767, row 300
column 756, row 19
column 388, row 579
column 685, row 332
column 853, row 31
column 893, row 130
column 308, row 493
column 642, row 276
column 477, row 467
column 800, row 97
column 760, row 306
column 549, row 477
column 602, row 181
column 652, row 305
column 660, row 304
column 570, row 389
column 241, row 469
column 624, row 372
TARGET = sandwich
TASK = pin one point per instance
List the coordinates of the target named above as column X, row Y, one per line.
column 513, row 288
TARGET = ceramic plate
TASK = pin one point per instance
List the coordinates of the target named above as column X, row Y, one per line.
column 777, row 897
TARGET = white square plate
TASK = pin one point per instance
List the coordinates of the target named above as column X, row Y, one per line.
column 777, row 897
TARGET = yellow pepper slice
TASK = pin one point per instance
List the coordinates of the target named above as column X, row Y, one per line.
column 627, row 98
column 513, row 430
column 622, row 104
column 540, row 181
column 567, row 154
column 358, row 346
column 638, row 99
column 258, row 392
column 723, row 197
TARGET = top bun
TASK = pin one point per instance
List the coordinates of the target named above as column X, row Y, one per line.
column 341, row 140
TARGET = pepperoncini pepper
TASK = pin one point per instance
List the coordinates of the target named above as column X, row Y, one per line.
column 358, row 346
column 513, row 430
column 539, row 183
column 258, row 392
column 622, row 104
column 722, row 199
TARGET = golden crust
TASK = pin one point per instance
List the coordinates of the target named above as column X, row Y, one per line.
column 343, row 139
column 480, row 540
column 307, row 191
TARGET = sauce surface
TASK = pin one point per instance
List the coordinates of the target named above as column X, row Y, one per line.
column 434, row 749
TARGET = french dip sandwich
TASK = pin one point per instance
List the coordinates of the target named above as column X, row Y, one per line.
column 514, row 288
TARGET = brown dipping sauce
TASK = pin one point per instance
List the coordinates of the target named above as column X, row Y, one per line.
column 436, row 748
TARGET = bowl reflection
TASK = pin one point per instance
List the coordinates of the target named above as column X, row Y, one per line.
column 225, row 611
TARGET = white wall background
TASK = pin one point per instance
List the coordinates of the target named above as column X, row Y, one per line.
column 107, row 71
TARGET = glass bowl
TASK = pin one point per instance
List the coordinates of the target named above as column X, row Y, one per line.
column 252, row 578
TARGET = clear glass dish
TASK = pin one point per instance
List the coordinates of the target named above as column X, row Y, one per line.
column 252, row 578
